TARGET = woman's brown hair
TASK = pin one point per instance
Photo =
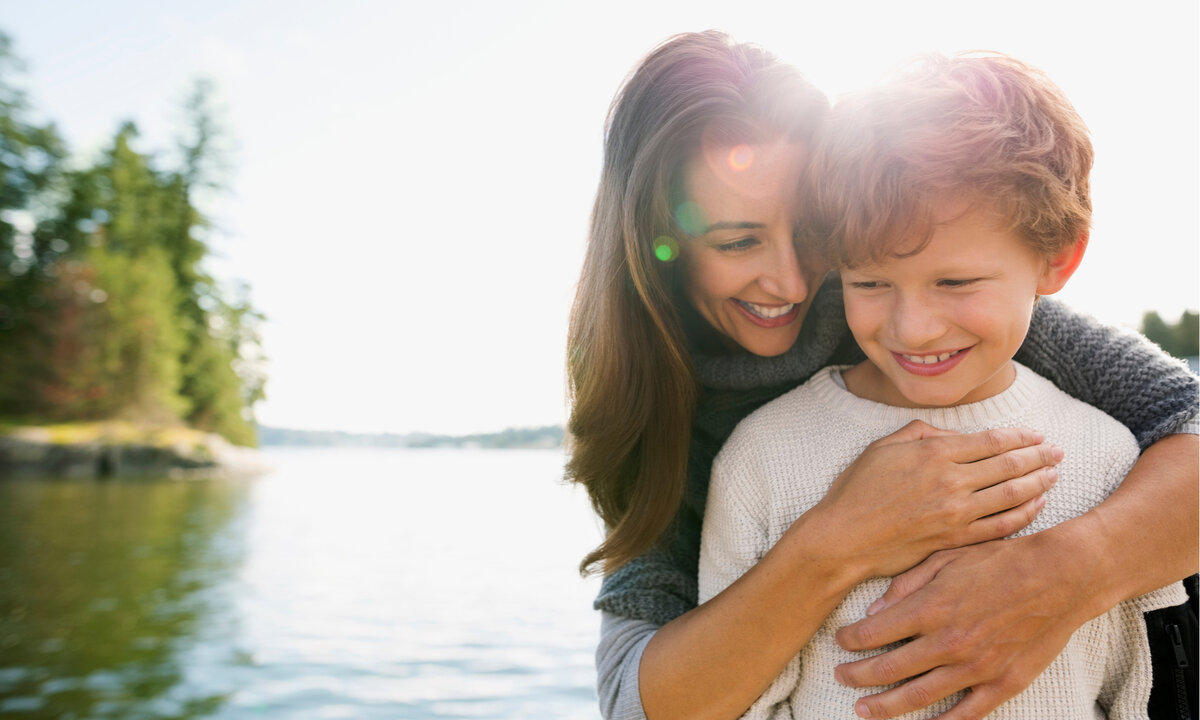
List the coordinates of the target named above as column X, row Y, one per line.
column 631, row 383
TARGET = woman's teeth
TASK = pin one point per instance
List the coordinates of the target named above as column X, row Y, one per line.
column 767, row 312
column 929, row 359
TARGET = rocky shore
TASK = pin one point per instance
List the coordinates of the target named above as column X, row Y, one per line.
column 117, row 449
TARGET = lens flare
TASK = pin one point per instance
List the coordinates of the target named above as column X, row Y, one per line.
column 665, row 248
column 741, row 157
column 690, row 218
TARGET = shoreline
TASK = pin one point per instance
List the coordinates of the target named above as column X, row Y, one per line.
column 117, row 449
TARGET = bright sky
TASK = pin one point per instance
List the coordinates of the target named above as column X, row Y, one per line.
column 413, row 179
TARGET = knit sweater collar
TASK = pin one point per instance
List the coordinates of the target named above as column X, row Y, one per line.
column 832, row 395
column 824, row 329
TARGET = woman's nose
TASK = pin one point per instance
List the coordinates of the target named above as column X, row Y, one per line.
column 784, row 276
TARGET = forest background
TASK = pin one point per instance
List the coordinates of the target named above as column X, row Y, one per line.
column 413, row 189
column 106, row 310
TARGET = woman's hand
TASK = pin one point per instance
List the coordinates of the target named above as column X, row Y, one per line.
column 994, row 642
column 991, row 617
column 909, row 494
column 921, row 489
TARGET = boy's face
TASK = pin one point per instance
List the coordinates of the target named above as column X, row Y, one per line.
column 940, row 327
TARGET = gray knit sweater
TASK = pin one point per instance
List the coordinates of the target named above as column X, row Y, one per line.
column 1114, row 370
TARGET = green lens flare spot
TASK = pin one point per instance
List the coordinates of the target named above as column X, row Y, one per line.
column 665, row 248
column 690, row 218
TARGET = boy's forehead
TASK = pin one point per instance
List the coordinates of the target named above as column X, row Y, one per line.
column 949, row 208
column 953, row 225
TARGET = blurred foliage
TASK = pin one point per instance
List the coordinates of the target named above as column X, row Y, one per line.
column 105, row 308
column 1181, row 339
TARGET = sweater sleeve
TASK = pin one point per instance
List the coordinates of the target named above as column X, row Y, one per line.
column 735, row 537
column 1117, row 371
column 618, row 659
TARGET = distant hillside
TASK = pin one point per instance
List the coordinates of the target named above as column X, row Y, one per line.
column 549, row 436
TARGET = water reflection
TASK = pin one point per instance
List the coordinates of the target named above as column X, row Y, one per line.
column 102, row 588
column 348, row 583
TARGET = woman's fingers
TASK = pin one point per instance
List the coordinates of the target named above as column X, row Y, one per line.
column 973, row 447
column 979, row 702
column 1013, row 464
column 985, row 692
column 901, row 663
column 1002, row 509
column 902, row 619
column 992, row 618
column 1003, row 524
column 912, row 580
column 913, row 695
column 904, row 498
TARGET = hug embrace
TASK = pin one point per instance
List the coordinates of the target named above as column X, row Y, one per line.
column 947, row 495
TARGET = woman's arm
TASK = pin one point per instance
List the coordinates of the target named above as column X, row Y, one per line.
column 1021, row 599
column 618, row 657
column 1117, row 371
column 909, row 494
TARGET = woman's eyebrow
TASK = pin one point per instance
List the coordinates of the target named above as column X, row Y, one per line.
column 734, row 225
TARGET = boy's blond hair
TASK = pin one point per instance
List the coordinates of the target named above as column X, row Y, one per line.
column 985, row 129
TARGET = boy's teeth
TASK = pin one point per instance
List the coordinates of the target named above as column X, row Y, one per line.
column 767, row 312
column 929, row 359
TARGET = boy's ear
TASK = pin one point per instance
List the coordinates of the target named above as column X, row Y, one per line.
column 1062, row 266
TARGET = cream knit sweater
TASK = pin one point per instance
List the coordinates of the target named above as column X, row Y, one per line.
column 779, row 463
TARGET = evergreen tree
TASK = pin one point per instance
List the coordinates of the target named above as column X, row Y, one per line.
column 220, row 380
column 30, row 159
column 105, row 309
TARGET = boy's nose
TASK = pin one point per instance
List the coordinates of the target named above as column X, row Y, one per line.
column 915, row 324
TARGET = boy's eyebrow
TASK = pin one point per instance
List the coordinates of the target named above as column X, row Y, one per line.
column 734, row 225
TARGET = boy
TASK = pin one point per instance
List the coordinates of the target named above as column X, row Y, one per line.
column 948, row 200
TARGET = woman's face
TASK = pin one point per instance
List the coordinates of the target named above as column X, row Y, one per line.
column 741, row 268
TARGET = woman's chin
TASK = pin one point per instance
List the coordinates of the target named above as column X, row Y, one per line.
column 776, row 344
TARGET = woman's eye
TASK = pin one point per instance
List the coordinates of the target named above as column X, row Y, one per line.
column 738, row 245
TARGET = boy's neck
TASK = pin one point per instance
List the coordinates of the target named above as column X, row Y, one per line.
column 866, row 381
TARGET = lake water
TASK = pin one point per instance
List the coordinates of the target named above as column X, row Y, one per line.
column 346, row 583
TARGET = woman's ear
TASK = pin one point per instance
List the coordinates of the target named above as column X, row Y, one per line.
column 1062, row 266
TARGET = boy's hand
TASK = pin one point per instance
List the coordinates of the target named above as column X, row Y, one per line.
column 988, row 618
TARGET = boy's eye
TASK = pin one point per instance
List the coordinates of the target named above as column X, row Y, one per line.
column 956, row 282
column 867, row 284
column 738, row 245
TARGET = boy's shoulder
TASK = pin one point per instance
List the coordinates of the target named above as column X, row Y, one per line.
column 1060, row 417
column 824, row 390
column 793, row 415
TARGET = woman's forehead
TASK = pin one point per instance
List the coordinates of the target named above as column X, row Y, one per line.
column 745, row 169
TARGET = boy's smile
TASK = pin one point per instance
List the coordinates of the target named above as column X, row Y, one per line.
column 930, row 363
column 940, row 327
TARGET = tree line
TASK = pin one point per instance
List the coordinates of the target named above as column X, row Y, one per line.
column 106, row 310
column 1181, row 339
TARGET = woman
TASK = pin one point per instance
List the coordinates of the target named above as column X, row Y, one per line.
column 695, row 307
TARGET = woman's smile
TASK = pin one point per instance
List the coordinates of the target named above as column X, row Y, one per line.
column 743, row 272
column 768, row 316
